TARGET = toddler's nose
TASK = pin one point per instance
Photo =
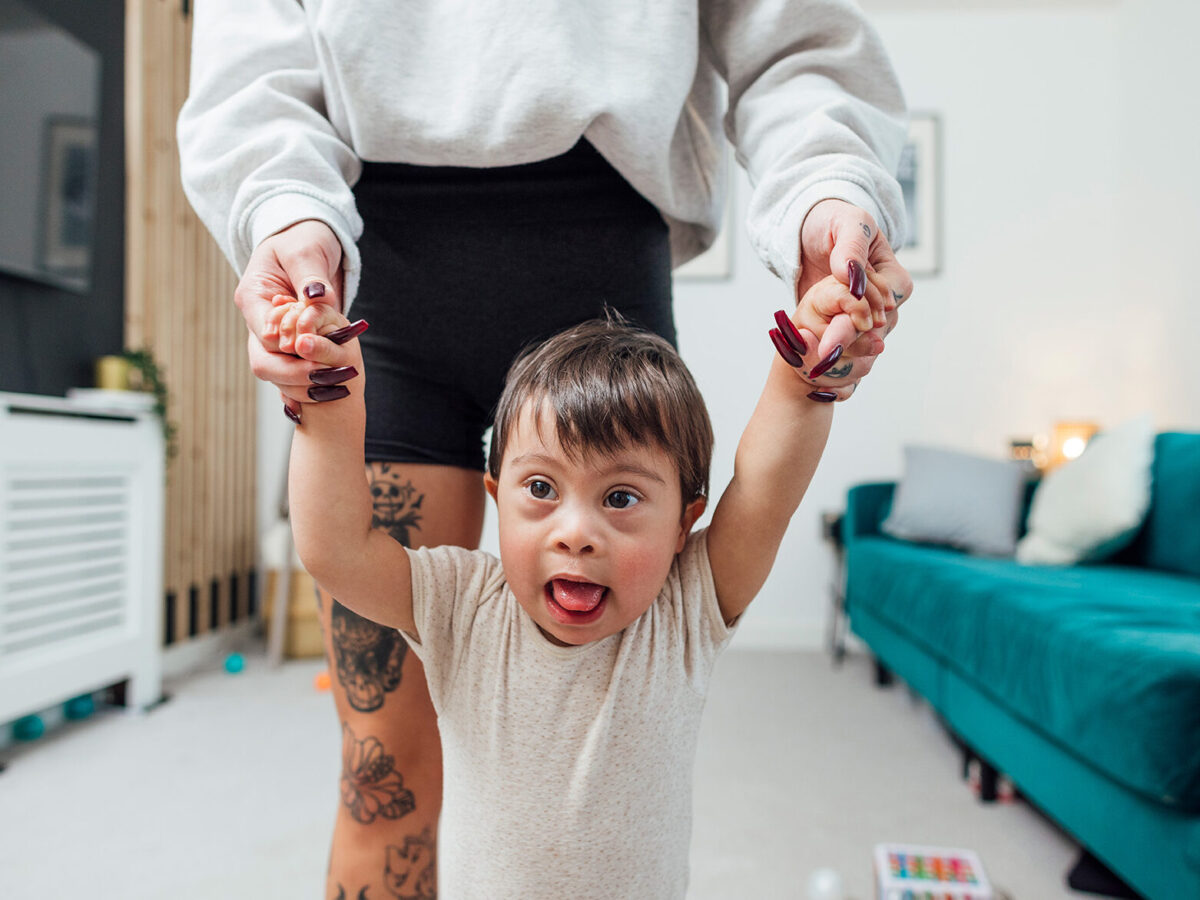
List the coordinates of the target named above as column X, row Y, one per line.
column 575, row 532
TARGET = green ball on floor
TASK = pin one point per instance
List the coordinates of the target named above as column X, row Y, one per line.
column 234, row 663
column 79, row 707
column 28, row 728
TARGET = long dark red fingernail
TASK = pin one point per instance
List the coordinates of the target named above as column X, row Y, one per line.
column 321, row 393
column 790, row 333
column 827, row 363
column 314, row 290
column 291, row 414
column 858, row 279
column 790, row 356
column 353, row 330
column 822, row 396
column 332, row 376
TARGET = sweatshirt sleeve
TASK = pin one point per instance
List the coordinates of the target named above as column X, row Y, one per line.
column 815, row 112
column 257, row 150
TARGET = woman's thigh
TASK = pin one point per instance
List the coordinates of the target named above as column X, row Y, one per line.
column 462, row 269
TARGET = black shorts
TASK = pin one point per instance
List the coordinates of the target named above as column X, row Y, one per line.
column 462, row 268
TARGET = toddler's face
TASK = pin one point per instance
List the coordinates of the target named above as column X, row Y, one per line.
column 586, row 543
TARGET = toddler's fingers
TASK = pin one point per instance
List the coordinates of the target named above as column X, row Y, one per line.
column 320, row 318
column 829, row 297
column 287, row 327
column 842, row 332
column 271, row 323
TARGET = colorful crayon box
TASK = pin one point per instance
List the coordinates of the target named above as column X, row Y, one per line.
column 907, row 872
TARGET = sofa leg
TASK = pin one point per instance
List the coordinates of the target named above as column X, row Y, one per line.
column 883, row 675
column 988, row 777
column 1092, row 876
column 967, row 757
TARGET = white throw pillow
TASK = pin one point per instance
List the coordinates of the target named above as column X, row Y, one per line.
column 1093, row 506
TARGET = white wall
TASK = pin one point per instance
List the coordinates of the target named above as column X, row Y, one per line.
column 1159, row 157
column 1070, row 193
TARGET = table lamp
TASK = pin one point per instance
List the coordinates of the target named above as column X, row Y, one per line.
column 1067, row 441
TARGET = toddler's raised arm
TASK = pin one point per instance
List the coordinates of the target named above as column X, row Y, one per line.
column 328, row 495
column 782, row 444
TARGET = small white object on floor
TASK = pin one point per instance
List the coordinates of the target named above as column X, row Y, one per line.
column 825, row 884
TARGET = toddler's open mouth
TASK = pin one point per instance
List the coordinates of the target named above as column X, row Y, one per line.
column 575, row 602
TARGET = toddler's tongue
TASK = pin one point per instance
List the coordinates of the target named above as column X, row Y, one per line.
column 577, row 596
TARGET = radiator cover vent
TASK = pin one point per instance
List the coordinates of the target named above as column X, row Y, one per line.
column 66, row 544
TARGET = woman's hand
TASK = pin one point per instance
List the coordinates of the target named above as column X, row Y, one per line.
column 824, row 308
column 303, row 260
column 839, row 239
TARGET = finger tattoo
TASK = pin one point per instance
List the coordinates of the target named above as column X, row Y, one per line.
column 866, row 228
column 841, row 371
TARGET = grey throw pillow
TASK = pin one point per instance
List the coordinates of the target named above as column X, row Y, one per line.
column 964, row 501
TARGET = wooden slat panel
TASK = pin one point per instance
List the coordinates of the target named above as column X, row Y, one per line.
column 180, row 304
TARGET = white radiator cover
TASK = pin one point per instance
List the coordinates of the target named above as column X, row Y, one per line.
column 81, row 536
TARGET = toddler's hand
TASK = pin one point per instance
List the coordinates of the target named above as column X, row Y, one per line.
column 289, row 318
column 291, row 321
column 827, row 320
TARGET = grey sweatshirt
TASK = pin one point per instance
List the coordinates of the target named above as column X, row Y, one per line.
column 288, row 97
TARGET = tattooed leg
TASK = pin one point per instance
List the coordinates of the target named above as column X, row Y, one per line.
column 409, row 872
column 371, row 786
column 385, row 836
column 368, row 658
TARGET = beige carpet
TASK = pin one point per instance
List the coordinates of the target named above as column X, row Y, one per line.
column 228, row 791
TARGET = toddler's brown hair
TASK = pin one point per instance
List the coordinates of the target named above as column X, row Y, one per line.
column 610, row 385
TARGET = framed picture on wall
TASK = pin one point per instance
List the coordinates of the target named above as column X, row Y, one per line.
column 68, row 196
column 920, row 179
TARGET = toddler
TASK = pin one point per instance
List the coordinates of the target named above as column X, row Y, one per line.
column 570, row 674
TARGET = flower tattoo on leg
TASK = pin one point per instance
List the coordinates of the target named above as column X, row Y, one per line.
column 371, row 786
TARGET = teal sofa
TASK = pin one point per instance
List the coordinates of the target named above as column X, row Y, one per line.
column 1081, row 683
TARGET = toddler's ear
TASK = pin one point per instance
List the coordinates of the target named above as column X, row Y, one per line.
column 691, row 513
column 490, row 483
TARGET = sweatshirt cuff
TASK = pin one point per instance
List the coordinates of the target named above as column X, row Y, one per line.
column 280, row 211
column 783, row 255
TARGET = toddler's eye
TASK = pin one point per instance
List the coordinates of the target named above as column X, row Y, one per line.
column 540, row 490
column 621, row 500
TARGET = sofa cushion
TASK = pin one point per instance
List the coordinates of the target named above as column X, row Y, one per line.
column 1104, row 660
column 1171, row 539
column 1091, row 507
column 958, row 499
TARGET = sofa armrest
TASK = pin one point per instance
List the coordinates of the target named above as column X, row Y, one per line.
column 867, row 505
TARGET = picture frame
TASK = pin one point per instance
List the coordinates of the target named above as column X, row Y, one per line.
column 920, row 180
column 68, row 197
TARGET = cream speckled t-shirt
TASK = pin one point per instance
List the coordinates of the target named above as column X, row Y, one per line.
column 568, row 770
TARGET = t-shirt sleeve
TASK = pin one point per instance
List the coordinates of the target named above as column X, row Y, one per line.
column 697, row 614
column 448, row 584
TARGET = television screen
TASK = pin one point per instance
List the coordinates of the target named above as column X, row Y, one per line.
column 49, row 110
